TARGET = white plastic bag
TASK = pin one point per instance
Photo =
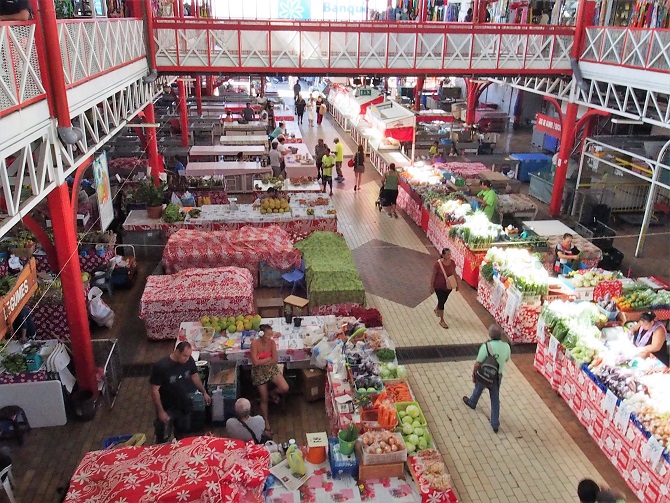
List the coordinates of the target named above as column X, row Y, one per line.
column 101, row 313
column 174, row 199
column 320, row 353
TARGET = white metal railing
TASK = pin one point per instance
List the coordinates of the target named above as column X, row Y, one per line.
column 643, row 48
column 346, row 47
column 20, row 75
column 94, row 46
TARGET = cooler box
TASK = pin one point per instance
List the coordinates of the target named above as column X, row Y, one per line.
column 531, row 163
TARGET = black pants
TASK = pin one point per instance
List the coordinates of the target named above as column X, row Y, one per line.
column 180, row 424
column 442, row 296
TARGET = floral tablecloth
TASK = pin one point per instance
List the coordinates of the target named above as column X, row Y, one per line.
column 409, row 205
column 169, row 300
column 245, row 247
column 196, row 469
column 516, row 204
column 464, row 169
column 519, row 324
column 40, row 375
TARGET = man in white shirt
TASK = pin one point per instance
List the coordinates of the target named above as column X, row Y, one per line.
column 275, row 159
column 238, row 427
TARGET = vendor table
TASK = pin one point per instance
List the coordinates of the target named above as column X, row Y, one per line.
column 546, row 228
column 244, row 140
column 168, row 301
column 381, row 159
column 517, row 316
column 503, row 184
column 298, row 168
column 215, row 151
column 251, row 128
column 590, row 256
column 224, row 168
column 246, row 247
column 297, row 223
column 289, row 187
column 519, row 205
column 193, row 469
column 585, row 393
column 409, row 201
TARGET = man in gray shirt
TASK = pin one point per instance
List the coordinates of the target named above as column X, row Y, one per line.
column 275, row 159
column 235, row 426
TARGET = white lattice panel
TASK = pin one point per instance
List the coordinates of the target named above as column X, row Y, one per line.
column 343, row 50
column 401, row 47
column 429, row 49
column 314, row 49
column 638, row 48
column 373, row 49
column 285, row 49
column 20, row 77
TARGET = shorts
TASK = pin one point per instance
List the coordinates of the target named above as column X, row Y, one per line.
column 276, row 171
column 389, row 197
column 442, row 296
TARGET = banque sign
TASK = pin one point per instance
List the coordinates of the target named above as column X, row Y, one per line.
column 13, row 302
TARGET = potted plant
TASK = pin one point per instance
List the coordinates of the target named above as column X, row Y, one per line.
column 151, row 195
column 347, row 439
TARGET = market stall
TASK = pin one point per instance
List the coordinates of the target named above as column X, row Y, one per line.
column 300, row 163
column 361, row 131
column 392, row 124
column 167, row 301
column 246, row 129
column 330, row 273
column 347, row 103
column 517, row 205
column 617, row 395
column 246, row 247
column 247, row 140
column 196, row 468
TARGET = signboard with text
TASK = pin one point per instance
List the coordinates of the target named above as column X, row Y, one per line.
column 548, row 125
column 103, row 190
column 18, row 296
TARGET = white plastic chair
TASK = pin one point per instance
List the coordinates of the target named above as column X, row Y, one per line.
column 8, row 483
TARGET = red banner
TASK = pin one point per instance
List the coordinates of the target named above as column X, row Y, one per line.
column 548, row 125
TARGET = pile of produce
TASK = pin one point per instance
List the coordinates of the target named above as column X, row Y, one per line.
column 452, row 211
column 375, row 339
column 274, row 205
column 522, row 269
column 6, row 284
column 654, row 413
column 607, row 303
column 385, row 354
column 432, row 469
column 14, row 363
column 476, row 232
column 381, row 442
column 368, row 384
column 302, row 180
column 276, row 181
column 96, row 237
column 194, row 213
column 232, row 324
column 392, row 371
column 421, row 176
column 574, row 325
column 643, row 299
column 619, row 380
column 387, row 417
column 319, row 201
column 172, row 213
column 585, row 278
column 413, row 428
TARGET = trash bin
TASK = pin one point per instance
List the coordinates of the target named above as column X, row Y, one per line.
column 83, row 405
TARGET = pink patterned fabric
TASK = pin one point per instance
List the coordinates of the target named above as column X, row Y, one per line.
column 336, row 309
column 428, row 495
column 248, row 245
column 465, row 169
column 169, row 300
column 40, row 375
column 193, row 470
column 409, row 205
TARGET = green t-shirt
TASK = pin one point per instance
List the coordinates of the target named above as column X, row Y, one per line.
column 500, row 349
column 327, row 165
column 491, row 199
column 339, row 152
column 391, row 182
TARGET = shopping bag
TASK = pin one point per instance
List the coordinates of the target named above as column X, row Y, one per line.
column 101, row 313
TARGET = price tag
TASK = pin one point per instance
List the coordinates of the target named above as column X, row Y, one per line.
column 540, row 330
column 513, row 303
column 609, row 404
column 553, row 347
column 622, row 418
column 498, row 292
column 652, row 452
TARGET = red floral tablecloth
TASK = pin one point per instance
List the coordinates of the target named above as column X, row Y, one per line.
column 521, row 325
column 335, row 309
column 242, row 248
column 465, row 169
column 438, row 232
column 196, row 469
column 548, row 365
column 87, row 263
column 50, row 321
column 40, row 375
column 169, row 300
column 409, row 205
column 428, row 495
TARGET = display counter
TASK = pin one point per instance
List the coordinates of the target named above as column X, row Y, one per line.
column 300, row 165
column 360, row 133
column 381, row 158
column 237, row 176
column 244, row 140
column 213, row 152
column 288, row 187
column 250, row 128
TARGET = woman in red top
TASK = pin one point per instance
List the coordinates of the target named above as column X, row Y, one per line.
column 444, row 280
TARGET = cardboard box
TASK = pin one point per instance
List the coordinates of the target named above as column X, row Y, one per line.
column 313, row 384
column 368, row 472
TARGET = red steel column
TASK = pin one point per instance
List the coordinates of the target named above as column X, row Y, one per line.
column 65, row 239
column 65, row 232
column 262, row 86
column 198, row 93
column 209, row 84
column 155, row 160
column 183, row 113
column 417, row 93
column 567, row 142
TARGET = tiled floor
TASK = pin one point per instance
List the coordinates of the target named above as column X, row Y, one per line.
column 539, row 454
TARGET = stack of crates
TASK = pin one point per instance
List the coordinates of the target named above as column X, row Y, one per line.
column 223, row 387
column 339, row 463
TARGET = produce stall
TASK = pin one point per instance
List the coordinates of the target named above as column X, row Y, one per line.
column 619, row 397
column 167, row 301
column 193, row 469
column 307, row 213
column 415, row 181
column 331, row 275
column 246, row 247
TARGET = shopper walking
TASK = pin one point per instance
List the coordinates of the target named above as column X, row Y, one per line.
column 359, row 167
column 172, row 380
column 488, row 373
column 311, row 112
column 300, row 105
column 339, row 158
column 321, row 110
column 390, row 191
column 443, row 281
column 296, row 90
column 327, row 162
column 319, row 151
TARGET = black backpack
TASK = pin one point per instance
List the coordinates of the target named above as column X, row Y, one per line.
column 487, row 373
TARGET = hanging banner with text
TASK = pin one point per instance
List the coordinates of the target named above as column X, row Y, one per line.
column 103, row 190
column 18, row 296
column 548, row 125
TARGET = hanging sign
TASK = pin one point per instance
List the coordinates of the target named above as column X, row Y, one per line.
column 18, row 296
column 548, row 125
column 103, row 190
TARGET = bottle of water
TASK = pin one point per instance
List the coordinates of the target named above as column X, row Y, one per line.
column 258, row 162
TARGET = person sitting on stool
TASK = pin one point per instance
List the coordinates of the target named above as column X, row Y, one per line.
column 243, row 426
column 172, row 380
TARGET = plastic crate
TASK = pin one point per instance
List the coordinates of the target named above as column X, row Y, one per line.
column 401, row 406
column 230, row 390
column 111, row 442
column 383, row 459
column 340, row 464
column 611, row 315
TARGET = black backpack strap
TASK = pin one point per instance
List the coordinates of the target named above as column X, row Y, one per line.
column 253, row 435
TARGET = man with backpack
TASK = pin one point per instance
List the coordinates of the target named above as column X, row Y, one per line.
column 488, row 372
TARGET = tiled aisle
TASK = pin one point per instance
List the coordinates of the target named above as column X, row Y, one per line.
column 533, row 457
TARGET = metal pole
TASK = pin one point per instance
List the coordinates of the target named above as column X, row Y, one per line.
column 579, row 178
column 650, row 200
column 183, row 113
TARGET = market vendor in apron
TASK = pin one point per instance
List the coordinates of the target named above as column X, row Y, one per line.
column 566, row 254
column 651, row 337
column 489, row 199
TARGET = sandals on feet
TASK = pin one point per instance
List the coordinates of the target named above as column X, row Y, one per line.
column 443, row 324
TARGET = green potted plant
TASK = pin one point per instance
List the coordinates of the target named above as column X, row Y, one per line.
column 151, row 195
column 347, row 439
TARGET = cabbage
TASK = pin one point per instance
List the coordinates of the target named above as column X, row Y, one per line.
column 401, row 372
column 392, row 366
column 413, row 411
